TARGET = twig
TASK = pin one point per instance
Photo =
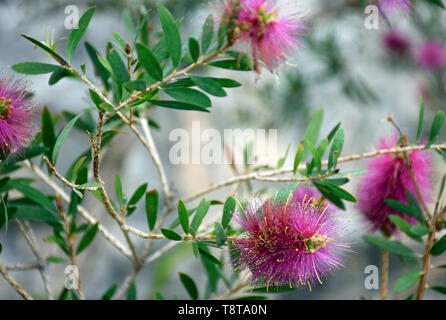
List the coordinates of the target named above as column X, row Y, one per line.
column 81, row 210
column 28, row 233
column 25, row 295
column 63, row 179
column 384, row 274
column 23, row 266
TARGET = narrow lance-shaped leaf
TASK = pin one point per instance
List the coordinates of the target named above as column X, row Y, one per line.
column 77, row 34
column 183, row 216
column 63, row 136
column 439, row 247
column 420, row 120
column 171, row 235
column 48, row 134
column 190, row 286
column 207, row 33
column 194, row 49
column 151, row 208
column 407, row 281
column 220, row 235
column 228, row 211
column 149, row 62
column 336, row 148
column 202, row 210
column 389, row 245
column 436, row 126
column 171, row 34
column 34, row 68
column 87, row 238
column 298, row 157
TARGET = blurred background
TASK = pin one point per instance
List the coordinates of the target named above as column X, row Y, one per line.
column 358, row 76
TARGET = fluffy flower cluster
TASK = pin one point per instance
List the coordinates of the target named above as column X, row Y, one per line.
column 272, row 36
column 388, row 178
column 431, row 55
column 17, row 121
column 286, row 243
column 390, row 7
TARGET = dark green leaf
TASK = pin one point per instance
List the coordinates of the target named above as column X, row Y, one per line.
column 118, row 66
column 336, row 148
column 439, row 289
column 178, row 105
column 220, row 235
column 183, row 216
column 43, row 46
column 137, row 85
column 189, row 96
column 139, row 193
column 100, row 69
column 35, row 68
column 152, row 208
column 171, row 235
column 48, row 134
column 228, row 211
column 439, row 247
column 33, row 194
column 149, row 62
column 190, row 286
column 436, row 126
column 109, row 293
column 87, row 238
column 209, row 85
column 298, row 157
column 77, row 34
column 171, row 34
column 194, row 49
column 420, row 120
column 207, row 33
column 407, row 281
column 62, row 137
column 202, row 210
column 131, row 292
column 210, row 257
column 389, row 245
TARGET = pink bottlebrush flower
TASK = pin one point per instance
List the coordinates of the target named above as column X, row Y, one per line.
column 431, row 55
column 303, row 192
column 388, row 178
column 288, row 243
column 17, row 122
column 272, row 37
column 396, row 42
column 390, row 7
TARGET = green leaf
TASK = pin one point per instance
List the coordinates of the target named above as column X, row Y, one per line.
column 104, row 74
column 118, row 189
column 190, row 286
column 139, row 193
column 59, row 74
column 202, row 210
column 336, row 148
column 437, row 3
column 439, row 289
column 33, row 194
column 439, row 247
column 56, row 260
column 151, row 208
column 171, row 34
column 404, row 226
column 420, row 120
column 149, row 62
column 207, row 33
column 118, row 66
column 87, row 238
column 138, row 85
column 339, row 192
column 35, row 68
column 298, row 156
column 183, row 216
column 407, row 281
column 389, row 245
column 406, row 209
column 194, row 49
column 228, row 211
column 436, row 126
column 90, row 185
column 189, row 96
column 312, row 130
column 171, row 235
column 209, row 85
column 210, row 257
column 48, row 134
column 131, row 292
column 178, row 105
column 62, row 137
column 220, row 235
column 43, row 46
column 228, row 83
column 77, row 34
column 108, row 295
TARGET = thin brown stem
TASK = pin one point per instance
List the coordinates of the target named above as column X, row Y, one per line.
column 17, row 287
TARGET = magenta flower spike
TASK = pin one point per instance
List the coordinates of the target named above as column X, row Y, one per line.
column 272, row 36
column 390, row 7
column 388, row 178
column 17, row 121
column 289, row 243
column 431, row 55
column 396, row 42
